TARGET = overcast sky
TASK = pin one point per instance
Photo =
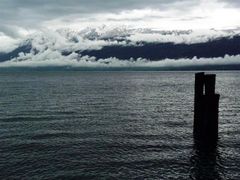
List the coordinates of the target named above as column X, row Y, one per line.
column 21, row 17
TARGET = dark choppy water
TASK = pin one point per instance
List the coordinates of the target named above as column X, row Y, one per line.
column 108, row 125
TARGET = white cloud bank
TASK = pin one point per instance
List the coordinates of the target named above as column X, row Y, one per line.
column 68, row 40
column 7, row 44
column 54, row 59
column 48, row 46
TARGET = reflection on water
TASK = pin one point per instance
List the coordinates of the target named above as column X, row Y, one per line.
column 206, row 162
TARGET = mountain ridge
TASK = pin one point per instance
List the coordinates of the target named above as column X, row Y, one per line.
column 125, row 44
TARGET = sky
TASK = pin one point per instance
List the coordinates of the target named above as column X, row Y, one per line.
column 44, row 22
column 23, row 17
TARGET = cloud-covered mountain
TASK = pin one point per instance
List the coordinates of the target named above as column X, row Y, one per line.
column 126, row 47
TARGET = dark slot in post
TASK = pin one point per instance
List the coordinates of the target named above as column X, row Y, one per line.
column 206, row 104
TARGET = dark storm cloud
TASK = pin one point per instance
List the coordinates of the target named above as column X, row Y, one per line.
column 75, row 6
column 30, row 14
column 21, row 17
column 9, row 31
column 232, row 3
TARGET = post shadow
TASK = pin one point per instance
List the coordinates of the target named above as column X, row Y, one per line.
column 205, row 163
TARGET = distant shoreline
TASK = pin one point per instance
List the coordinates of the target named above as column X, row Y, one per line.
column 171, row 69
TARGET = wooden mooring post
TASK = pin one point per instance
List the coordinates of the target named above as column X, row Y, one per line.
column 206, row 104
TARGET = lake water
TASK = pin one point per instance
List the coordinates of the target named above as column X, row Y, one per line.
column 112, row 125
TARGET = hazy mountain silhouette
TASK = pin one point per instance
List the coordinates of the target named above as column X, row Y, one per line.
column 157, row 51
column 26, row 48
column 153, row 51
